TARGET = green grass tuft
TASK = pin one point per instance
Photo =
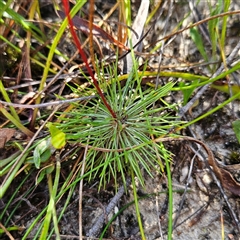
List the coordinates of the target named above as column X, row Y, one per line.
column 120, row 145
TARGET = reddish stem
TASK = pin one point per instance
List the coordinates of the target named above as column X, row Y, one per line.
column 84, row 58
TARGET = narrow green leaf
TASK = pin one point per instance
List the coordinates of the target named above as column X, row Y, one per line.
column 213, row 26
column 7, row 99
column 224, row 22
column 236, row 129
column 197, row 38
column 187, row 92
column 9, row 13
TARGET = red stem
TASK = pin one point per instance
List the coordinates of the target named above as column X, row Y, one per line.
column 84, row 58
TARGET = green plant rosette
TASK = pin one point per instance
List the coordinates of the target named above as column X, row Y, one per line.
column 118, row 145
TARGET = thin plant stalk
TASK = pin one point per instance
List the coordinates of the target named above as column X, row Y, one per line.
column 54, row 193
column 66, row 204
column 4, row 187
column 170, row 200
column 80, row 192
column 78, row 45
column 137, row 206
column 7, row 99
column 224, row 23
column 51, row 211
column 3, row 211
column 91, row 49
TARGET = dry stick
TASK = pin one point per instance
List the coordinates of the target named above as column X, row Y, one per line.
column 31, row 82
column 197, row 212
column 42, row 105
column 6, row 231
column 95, row 230
column 216, row 169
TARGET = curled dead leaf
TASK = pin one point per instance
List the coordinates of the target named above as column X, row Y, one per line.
column 83, row 25
column 5, row 135
column 230, row 183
